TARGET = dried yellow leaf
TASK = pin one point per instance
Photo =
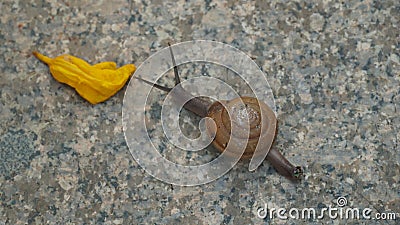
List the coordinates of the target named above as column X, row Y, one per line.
column 95, row 83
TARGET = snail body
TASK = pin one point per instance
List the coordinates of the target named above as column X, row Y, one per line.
column 244, row 119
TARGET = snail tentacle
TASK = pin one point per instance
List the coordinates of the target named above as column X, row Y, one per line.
column 163, row 88
column 177, row 78
column 197, row 105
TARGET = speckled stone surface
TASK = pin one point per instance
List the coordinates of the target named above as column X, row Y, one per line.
column 334, row 68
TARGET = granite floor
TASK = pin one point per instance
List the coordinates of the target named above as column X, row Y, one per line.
column 333, row 67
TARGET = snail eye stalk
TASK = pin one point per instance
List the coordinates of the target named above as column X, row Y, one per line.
column 176, row 73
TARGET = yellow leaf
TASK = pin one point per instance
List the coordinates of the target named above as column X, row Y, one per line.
column 95, row 83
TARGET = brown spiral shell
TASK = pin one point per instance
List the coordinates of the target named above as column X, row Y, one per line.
column 245, row 111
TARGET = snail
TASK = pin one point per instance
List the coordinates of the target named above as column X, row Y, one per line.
column 228, row 118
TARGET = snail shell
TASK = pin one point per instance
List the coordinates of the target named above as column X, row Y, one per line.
column 248, row 126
